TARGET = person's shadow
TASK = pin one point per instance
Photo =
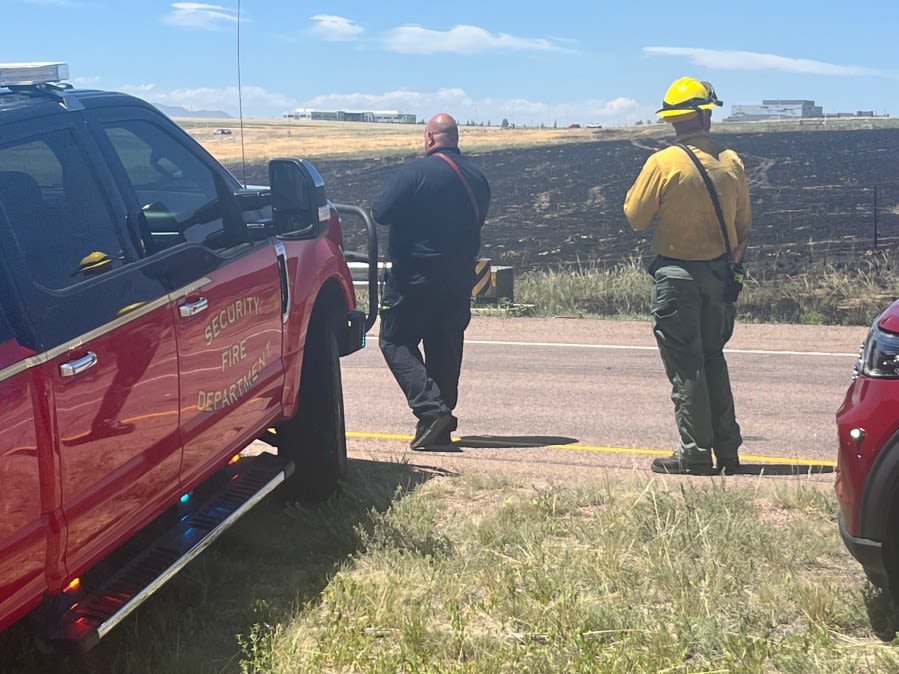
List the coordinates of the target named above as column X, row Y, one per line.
column 512, row 441
column 502, row 442
column 531, row 441
column 782, row 469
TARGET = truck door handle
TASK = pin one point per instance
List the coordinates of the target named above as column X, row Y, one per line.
column 192, row 309
column 78, row 365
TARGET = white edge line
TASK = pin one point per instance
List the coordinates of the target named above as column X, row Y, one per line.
column 654, row 348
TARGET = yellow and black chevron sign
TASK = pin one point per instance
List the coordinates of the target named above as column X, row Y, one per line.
column 483, row 282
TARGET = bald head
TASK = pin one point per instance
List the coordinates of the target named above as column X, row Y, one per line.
column 441, row 131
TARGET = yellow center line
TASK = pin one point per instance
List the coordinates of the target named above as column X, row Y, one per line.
column 641, row 451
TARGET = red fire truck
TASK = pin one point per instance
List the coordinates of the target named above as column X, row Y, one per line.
column 156, row 317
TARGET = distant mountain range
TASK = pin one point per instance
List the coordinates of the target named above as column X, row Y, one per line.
column 178, row 111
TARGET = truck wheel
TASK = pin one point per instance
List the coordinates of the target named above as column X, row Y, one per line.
column 315, row 438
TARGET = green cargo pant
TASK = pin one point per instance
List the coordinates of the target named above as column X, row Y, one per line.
column 692, row 323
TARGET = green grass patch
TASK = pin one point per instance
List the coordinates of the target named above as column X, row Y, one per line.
column 825, row 293
column 474, row 575
column 416, row 571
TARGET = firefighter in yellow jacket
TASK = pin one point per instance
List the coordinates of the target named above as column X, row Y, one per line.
column 692, row 318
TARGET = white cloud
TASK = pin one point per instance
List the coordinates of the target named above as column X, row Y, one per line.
column 464, row 107
column 335, row 28
column 257, row 101
column 402, row 100
column 748, row 60
column 261, row 103
column 140, row 90
column 462, row 39
column 92, row 80
column 200, row 16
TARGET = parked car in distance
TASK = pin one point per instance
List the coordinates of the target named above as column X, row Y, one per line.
column 222, row 132
column 867, row 473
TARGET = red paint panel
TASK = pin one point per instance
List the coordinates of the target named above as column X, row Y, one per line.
column 230, row 367
column 118, row 427
column 12, row 352
column 869, row 404
column 23, row 538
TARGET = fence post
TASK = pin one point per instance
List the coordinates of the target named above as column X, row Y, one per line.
column 875, row 217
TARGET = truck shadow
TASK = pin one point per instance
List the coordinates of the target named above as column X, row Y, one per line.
column 883, row 613
column 259, row 574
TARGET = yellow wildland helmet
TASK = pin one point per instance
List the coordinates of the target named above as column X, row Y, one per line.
column 687, row 96
column 93, row 263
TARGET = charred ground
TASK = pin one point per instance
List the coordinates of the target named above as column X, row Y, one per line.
column 817, row 195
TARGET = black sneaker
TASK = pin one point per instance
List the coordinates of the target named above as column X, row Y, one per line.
column 674, row 465
column 444, row 438
column 728, row 466
column 430, row 433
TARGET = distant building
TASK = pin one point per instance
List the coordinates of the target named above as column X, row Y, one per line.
column 382, row 116
column 858, row 113
column 775, row 109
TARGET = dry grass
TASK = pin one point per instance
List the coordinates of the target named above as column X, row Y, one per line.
column 265, row 139
column 412, row 571
column 353, row 140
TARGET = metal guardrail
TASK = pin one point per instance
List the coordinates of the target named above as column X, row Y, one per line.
column 368, row 272
column 498, row 286
column 360, row 270
column 495, row 285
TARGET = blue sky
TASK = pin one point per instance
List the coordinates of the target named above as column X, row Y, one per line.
column 586, row 61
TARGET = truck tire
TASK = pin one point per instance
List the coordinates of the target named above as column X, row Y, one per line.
column 315, row 438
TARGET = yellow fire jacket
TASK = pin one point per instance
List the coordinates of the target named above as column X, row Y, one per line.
column 670, row 192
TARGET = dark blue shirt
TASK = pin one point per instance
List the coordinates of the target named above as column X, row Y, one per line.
column 434, row 232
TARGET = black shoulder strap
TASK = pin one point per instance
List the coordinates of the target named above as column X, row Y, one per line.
column 471, row 196
column 711, row 188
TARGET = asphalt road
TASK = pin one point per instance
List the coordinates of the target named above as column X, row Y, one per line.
column 580, row 398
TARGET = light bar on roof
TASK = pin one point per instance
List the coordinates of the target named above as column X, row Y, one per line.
column 23, row 74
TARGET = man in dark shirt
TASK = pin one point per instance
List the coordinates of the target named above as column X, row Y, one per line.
column 435, row 206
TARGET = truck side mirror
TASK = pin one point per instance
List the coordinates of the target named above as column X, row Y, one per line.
column 299, row 206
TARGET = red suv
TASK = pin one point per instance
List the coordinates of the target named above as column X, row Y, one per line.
column 867, row 479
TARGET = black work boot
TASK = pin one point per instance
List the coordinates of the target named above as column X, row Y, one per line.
column 728, row 466
column 433, row 433
column 675, row 465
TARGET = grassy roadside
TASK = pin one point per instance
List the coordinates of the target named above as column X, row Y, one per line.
column 823, row 294
column 494, row 575
column 415, row 571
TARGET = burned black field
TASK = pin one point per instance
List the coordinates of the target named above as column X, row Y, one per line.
column 817, row 196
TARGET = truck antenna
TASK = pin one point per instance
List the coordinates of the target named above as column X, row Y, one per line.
column 243, row 156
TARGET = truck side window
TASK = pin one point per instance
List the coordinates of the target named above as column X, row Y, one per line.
column 54, row 209
column 179, row 195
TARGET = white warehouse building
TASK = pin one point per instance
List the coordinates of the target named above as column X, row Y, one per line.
column 775, row 109
column 383, row 116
